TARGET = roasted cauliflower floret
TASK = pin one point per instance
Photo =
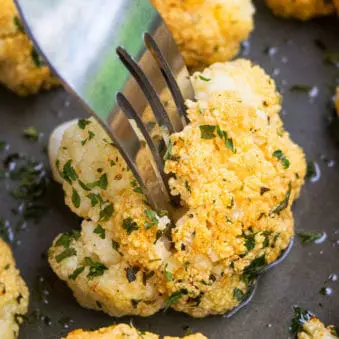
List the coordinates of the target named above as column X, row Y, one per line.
column 237, row 173
column 21, row 68
column 300, row 9
column 122, row 331
column 336, row 4
column 207, row 31
column 306, row 326
column 13, row 295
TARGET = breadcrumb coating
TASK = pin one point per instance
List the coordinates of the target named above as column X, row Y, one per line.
column 237, row 173
column 207, row 31
column 21, row 68
column 122, row 331
column 14, row 295
column 301, row 9
column 315, row 329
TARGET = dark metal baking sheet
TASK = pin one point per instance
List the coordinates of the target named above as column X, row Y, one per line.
column 296, row 60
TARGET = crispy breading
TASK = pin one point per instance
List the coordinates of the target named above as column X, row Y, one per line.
column 21, row 68
column 122, row 331
column 301, row 9
column 14, row 295
column 207, row 31
column 315, row 329
column 237, row 172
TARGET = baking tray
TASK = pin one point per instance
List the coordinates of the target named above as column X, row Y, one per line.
column 291, row 51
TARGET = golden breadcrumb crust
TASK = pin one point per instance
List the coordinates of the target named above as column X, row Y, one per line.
column 315, row 329
column 207, row 31
column 21, row 69
column 14, row 295
column 122, row 331
column 300, row 9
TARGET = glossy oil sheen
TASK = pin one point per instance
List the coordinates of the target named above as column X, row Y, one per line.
column 295, row 281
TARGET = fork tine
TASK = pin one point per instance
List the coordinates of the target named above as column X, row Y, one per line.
column 131, row 114
column 148, row 90
column 168, row 76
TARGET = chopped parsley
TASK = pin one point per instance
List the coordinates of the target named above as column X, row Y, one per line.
column 250, row 241
column 82, row 123
column 307, row 238
column 332, row 57
column 68, row 252
column 254, row 268
column 311, row 170
column 301, row 316
column 152, row 218
column 207, row 131
column 96, row 269
column 136, row 187
column 116, row 247
column 301, row 88
column 131, row 273
column 100, row 231
column 76, row 273
column 283, row 204
column 36, row 58
column 18, row 24
column 188, row 187
column 238, row 294
column 174, row 298
column 282, row 157
column 129, row 225
column 31, row 133
column 66, row 238
column 69, row 173
column 168, row 275
column 204, row 78
column 101, row 183
column 83, row 186
column 106, row 213
column 95, row 199
column 91, row 135
column 76, row 199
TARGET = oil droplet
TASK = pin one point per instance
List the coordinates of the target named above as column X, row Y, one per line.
column 321, row 240
column 284, row 60
column 328, row 291
column 276, row 72
column 331, row 163
column 332, row 277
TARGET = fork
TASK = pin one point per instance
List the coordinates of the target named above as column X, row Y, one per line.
column 85, row 43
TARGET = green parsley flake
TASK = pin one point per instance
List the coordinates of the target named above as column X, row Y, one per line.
column 101, row 183
column 300, row 318
column 282, row 157
column 31, row 133
column 82, row 123
column 68, row 252
column 254, row 268
column 307, row 238
column 69, row 173
column 311, row 170
column 129, row 225
column 168, row 275
column 152, row 217
column 106, row 213
column 250, row 241
column 18, row 24
column 96, row 269
column 66, row 238
column 91, row 135
column 238, row 294
column 207, row 131
column 204, row 78
column 76, row 199
column 95, row 199
column 76, row 273
column 174, row 298
column 284, row 204
column 37, row 60
column 100, row 231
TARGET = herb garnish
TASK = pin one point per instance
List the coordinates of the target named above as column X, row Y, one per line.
column 91, row 135
column 69, row 173
column 301, row 88
column 18, row 24
column 106, row 213
column 116, row 246
column 95, row 199
column 82, row 123
column 282, row 157
column 100, row 231
column 131, row 273
column 311, row 170
column 96, row 268
column 129, row 225
column 307, row 238
column 76, row 273
column 207, row 132
column 238, row 294
column 254, row 268
column 152, row 217
column 174, row 298
column 101, row 183
column 168, row 274
column 66, row 238
column 284, row 204
column 36, row 58
column 68, row 252
column 204, row 78
column 31, row 133
column 301, row 316
column 76, row 199
column 250, row 241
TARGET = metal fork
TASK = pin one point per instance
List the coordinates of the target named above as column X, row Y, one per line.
column 83, row 40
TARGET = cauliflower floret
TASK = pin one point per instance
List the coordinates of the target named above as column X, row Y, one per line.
column 300, row 9
column 336, row 4
column 237, row 173
column 21, row 68
column 207, row 31
column 315, row 329
column 122, row 331
column 13, row 295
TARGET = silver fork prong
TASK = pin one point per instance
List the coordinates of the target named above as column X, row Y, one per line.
column 131, row 114
column 168, row 76
column 148, row 90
